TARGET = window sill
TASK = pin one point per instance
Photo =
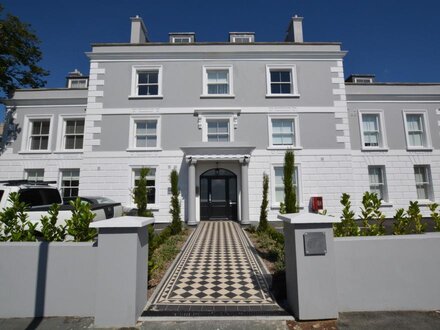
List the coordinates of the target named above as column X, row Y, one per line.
column 387, row 204
column 284, row 147
column 424, row 202
column 217, row 96
column 419, row 148
column 73, row 151
column 277, row 207
column 375, row 149
column 283, row 96
column 143, row 149
column 24, row 152
column 134, row 97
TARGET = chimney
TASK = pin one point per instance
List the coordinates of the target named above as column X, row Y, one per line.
column 295, row 30
column 139, row 33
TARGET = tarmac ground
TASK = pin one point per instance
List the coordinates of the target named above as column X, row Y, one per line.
column 359, row 321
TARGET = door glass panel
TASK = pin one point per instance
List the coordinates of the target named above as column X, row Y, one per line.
column 218, row 190
column 204, row 190
column 233, row 190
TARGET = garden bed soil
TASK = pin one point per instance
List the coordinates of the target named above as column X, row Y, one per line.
column 159, row 273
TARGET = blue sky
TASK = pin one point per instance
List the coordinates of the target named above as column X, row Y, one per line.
column 398, row 40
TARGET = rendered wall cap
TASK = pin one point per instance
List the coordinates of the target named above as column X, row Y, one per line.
column 299, row 218
column 123, row 222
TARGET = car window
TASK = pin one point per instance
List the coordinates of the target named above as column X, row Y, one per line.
column 40, row 196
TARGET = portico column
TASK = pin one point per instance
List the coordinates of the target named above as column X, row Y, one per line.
column 192, row 192
column 244, row 192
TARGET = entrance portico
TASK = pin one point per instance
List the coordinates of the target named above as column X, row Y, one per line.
column 218, row 182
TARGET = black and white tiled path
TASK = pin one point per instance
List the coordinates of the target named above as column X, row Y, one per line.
column 217, row 274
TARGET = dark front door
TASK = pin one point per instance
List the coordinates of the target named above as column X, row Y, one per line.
column 218, row 195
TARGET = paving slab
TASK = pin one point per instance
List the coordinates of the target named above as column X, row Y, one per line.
column 217, row 274
column 389, row 320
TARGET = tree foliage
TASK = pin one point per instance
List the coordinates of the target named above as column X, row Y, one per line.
column 435, row 216
column 289, row 188
column 263, row 224
column 347, row 226
column 14, row 219
column 371, row 216
column 78, row 224
column 49, row 229
column 176, row 224
column 140, row 194
column 19, row 55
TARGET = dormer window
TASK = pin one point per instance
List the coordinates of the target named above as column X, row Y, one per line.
column 361, row 79
column 77, row 83
column 76, row 79
column 182, row 37
column 241, row 37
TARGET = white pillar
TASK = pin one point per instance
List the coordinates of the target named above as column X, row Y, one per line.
column 192, row 192
column 244, row 192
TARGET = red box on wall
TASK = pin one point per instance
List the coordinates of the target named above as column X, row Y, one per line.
column 317, row 204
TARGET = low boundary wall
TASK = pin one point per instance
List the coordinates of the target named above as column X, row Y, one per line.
column 106, row 280
column 388, row 272
column 47, row 279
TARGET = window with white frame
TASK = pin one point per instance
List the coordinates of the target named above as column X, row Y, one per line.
column 73, row 134
column 34, row 174
column 39, row 134
column 218, row 127
column 181, row 40
column 376, row 175
column 69, row 182
column 372, row 130
column 217, row 130
column 422, row 176
column 281, row 81
column 147, row 81
column 217, row 81
column 145, row 133
column 283, row 131
column 278, row 186
column 77, row 83
column 151, row 183
column 417, row 132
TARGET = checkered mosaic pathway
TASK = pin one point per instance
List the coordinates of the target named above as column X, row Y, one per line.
column 218, row 273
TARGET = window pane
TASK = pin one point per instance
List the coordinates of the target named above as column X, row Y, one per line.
column 79, row 142
column 151, row 126
column 415, row 139
column 44, row 142
column 70, row 126
column 153, row 90
column 70, row 142
column 222, row 126
column 141, row 127
column 285, row 76
column 370, row 122
column 151, row 141
column 141, row 141
column 279, row 174
column 279, row 194
column 414, row 122
column 223, row 138
column 45, row 127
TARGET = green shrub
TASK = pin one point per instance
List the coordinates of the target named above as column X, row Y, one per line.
column 140, row 194
column 400, row 223
column 49, row 229
column 263, row 225
column 415, row 218
column 176, row 224
column 289, row 188
column 15, row 224
column 347, row 226
column 435, row 216
column 371, row 216
column 78, row 224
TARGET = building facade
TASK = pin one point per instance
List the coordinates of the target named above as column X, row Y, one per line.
column 223, row 114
